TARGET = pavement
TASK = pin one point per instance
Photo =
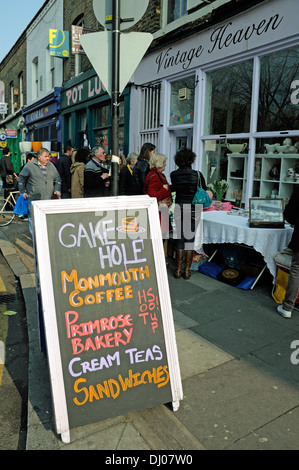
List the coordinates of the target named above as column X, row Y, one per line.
column 239, row 368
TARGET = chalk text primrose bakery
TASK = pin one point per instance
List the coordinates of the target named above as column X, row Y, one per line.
column 264, row 24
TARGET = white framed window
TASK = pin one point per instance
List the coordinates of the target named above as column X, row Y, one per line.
column 12, row 97
column 50, row 72
column 176, row 13
column 251, row 126
column 78, row 57
column 21, row 90
column 35, row 78
column 176, row 9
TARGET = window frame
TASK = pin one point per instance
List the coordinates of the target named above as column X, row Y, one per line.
column 253, row 134
column 35, row 79
column 166, row 27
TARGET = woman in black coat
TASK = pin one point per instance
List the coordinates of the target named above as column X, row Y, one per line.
column 142, row 167
column 291, row 214
column 184, row 182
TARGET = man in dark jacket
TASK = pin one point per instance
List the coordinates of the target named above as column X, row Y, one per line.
column 96, row 176
column 291, row 214
column 64, row 168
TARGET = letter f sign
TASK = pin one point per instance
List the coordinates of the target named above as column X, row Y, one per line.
column 52, row 35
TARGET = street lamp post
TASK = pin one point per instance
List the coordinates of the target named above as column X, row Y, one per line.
column 115, row 92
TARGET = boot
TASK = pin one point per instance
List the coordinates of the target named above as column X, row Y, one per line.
column 188, row 262
column 179, row 256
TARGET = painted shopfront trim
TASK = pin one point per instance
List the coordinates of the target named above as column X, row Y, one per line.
column 85, row 93
column 43, row 112
column 268, row 23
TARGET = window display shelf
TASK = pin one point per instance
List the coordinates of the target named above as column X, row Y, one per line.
column 236, row 175
column 274, row 175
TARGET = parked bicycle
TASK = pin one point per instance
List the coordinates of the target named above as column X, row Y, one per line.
column 6, row 208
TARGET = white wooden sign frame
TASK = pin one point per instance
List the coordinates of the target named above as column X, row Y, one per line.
column 40, row 211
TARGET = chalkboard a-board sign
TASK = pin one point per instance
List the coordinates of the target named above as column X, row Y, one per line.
column 106, row 308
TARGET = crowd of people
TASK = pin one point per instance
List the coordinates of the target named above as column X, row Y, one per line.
column 85, row 173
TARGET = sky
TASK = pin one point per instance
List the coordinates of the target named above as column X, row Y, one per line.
column 18, row 14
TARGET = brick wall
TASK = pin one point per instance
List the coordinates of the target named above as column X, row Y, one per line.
column 72, row 12
column 149, row 23
column 10, row 68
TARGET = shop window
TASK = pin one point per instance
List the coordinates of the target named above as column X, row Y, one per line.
column 102, row 126
column 227, row 160
column 182, row 102
column 102, row 116
column 176, row 9
column 41, row 134
column 82, row 128
column 53, row 132
column 278, row 106
column 121, row 112
column 276, row 167
column 228, row 99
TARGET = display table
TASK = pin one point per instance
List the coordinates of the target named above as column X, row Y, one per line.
column 221, row 227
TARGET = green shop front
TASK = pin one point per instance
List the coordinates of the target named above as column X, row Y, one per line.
column 11, row 135
column 86, row 113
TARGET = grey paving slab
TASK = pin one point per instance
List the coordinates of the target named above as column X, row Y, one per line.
column 228, row 402
column 183, row 289
column 197, row 355
column 267, row 437
column 209, row 306
column 122, row 436
column 182, row 321
column 242, row 331
column 278, row 355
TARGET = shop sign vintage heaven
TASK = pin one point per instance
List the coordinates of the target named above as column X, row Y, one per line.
column 262, row 25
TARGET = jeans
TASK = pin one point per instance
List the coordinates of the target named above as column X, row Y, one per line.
column 186, row 218
column 293, row 284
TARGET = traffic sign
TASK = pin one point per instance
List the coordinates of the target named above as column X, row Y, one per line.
column 98, row 48
column 130, row 12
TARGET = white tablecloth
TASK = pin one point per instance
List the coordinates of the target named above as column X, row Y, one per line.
column 220, row 227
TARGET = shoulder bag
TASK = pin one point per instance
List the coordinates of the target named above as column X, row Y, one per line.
column 201, row 196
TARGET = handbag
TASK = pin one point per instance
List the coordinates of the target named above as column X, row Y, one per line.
column 9, row 179
column 21, row 207
column 167, row 202
column 201, row 196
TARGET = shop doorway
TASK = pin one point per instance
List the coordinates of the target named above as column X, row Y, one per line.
column 179, row 139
